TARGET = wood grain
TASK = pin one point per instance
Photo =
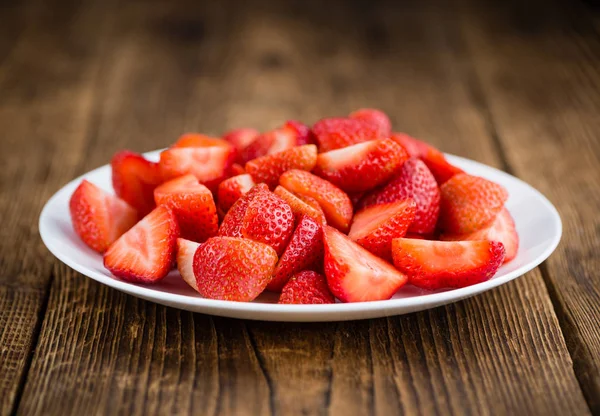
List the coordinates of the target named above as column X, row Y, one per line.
column 543, row 95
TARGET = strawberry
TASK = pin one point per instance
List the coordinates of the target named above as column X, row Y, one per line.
column 236, row 169
column 304, row 250
column 335, row 203
column 301, row 206
column 338, row 132
column 269, row 168
column 377, row 117
column 200, row 140
column 210, row 165
column 306, row 288
column 240, row 139
column 185, row 261
column 447, row 264
column 502, row 230
column 414, row 147
column 470, row 203
column 145, row 253
column 302, row 131
column 230, row 190
column 362, row 166
column 274, row 141
column 268, row 219
column 376, row 226
column 98, row 217
column 355, row 197
column 134, row 179
column 235, row 269
column 356, row 275
column 413, row 181
column 193, row 206
column 232, row 222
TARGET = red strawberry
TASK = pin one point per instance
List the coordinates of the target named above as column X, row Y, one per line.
column 306, row 288
column 301, row 206
column 334, row 133
column 502, row 230
column 236, row 169
column 200, row 140
column 98, row 217
column 362, row 166
column 356, row 275
column 232, row 223
column 274, row 141
column 304, row 250
column 235, row 269
column 470, row 203
column 447, row 264
column 146, row 252
column 230, row 190
column 134, row 179
column 414, row 147
column 193, row 206
column 210, row 165
column 185, row 261
column 303, row 133
column 377, row 117
column 376, row 226
column 335, row 203
column 416, row 182
column 269, row 168
column 240, row 139
column 268, row 219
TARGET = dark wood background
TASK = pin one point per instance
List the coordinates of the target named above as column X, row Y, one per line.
column 513, row 85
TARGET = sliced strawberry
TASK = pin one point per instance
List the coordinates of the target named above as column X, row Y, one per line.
column 235, row 269
column 470, row 203
column 376, row 226
column 240, row 139
column 414, row 147
column 230, row 190
column 304, row 250
column 301, row 205
column 335, row 203
column 210, row 165
column 306, row 288
column 200, row 140
column 416, row 182
column 377, row 117
column 98, row 217
column 274, row 141
column 447, row 264
column 269, row 168
column 338, row 132
column 193, row 206
column 356, row 275
column 236, row 169
column 145, row 253
column 268, row 219
column 303, row 133
column 362, row 166
column 502, row 230
column 134, row 179
column 233, row 220
column 185, row 261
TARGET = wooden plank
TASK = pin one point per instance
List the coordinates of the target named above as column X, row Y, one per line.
column 48, row 65
column 172, row 68
column 540, row 73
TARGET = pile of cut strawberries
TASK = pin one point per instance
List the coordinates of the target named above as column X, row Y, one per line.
column 344, row 210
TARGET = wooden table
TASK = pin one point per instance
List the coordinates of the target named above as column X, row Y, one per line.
column 511, row 85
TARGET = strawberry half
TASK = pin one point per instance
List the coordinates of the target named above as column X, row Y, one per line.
column 416, row 182
column 335, row 133
column 235, row 269
column 269, row 168
column 145, row 253
column 134, row 179
column 98, row 217
column 306, row 288
column 377, row 117
column 301, row 206
column 185, row 261
column 275, row 141
column 470, row 203
column 502, row 230
column 447, row 264
column 376, row 226
column 362, row 166
column 230, row 190
column 356, row 275
column 240, row 139
column 233, row 220
column 193, row 206
column 303, row 133
column 304, row 251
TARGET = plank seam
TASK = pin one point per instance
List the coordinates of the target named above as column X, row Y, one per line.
column 263, row 369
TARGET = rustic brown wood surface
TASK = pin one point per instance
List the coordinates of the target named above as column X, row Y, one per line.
column 513, row 86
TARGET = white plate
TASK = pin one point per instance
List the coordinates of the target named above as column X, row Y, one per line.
column 537, row 221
